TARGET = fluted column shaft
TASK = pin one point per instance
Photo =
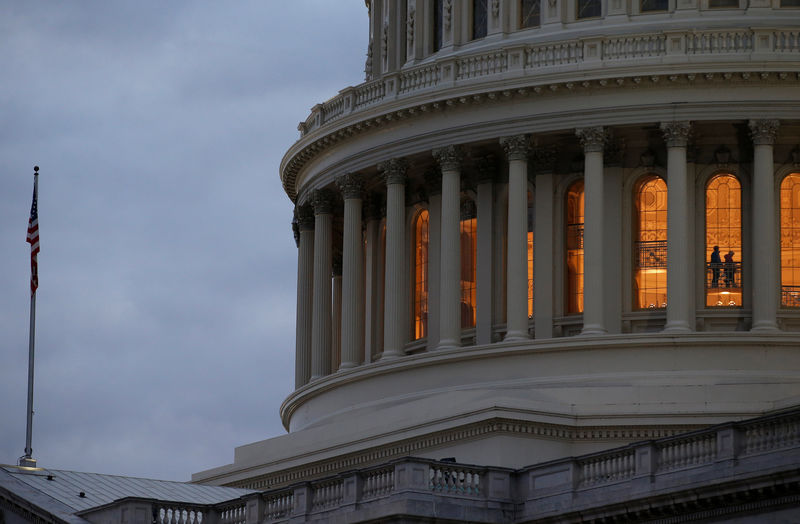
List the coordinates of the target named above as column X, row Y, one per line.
column 765, row 245
column 352, row 273
column 321, row 321
column 487, row 171
column 305, row 294
column 516, row 148
column 433, row 180
column 449, row 159
column 373, row 315
column 593, row 140
column 336, row 317
column 394, row 172
column 680, row 271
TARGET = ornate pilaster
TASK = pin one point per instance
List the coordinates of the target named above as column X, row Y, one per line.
column 304, row 218
column 373, row 319
column 593, row 140
column 449, row 159
column 433, row 183
column 322, row 200
column 394, row 173
column 351, row 186
column 680, row 273
column 765, row 243
column 517, row 149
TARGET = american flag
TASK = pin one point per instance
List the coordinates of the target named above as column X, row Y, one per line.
column 33, row 240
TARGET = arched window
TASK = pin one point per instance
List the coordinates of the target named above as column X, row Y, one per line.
column 529, row 13
column 530, row 255
column 588, row 9
column 790, row 241
column 438, row 24
column 421, row 227
column 480, row 18
column 650, row 243
column 469, row 258
column 574, row 244
column 723, row 241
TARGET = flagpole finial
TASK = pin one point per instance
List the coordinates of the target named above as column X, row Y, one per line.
column 36, row 169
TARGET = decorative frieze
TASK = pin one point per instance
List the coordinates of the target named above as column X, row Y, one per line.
column 676, row 134
column 351, row 185
column 592, row 139
column 764, row 132
column 322, row 200
column 516, row 147
column 394, row 171
column 449, row 157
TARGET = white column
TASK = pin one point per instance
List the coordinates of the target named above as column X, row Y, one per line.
column 516, row 149
column 680, row 269
column 433, row 182
column 544, row 247
column 321, row 311
column 593, row 140
column 449, row 159
column 305, row 294
column 336, row 313
column 394, row 173
column 487, row 171
column 765, row 244
column 372, row 315
column 351, row 187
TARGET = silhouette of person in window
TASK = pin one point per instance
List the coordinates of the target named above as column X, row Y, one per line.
column 730, row 269
column 716, row 264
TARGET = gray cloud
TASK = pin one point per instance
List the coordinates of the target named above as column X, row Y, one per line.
column 166, row 308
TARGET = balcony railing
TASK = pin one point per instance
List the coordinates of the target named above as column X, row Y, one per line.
column 790, row 296
column 723, row 275
column 650, row 254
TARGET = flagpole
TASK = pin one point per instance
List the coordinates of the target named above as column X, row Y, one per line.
column 27, row 459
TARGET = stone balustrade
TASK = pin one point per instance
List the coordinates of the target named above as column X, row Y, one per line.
column 514, row 63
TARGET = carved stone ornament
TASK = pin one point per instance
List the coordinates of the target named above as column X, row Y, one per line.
column 394, row 171
column 448, row 157
column 412, row 14
column 448, row 13
column 468, row 209
column 614, row 151
column 722, row 156
column 544, row 159
column 305, row 217
column 592, row 139
column 676, row 134
column 516, row 147
column 368, row 63
column 385, row 40
column 351, row 185
column 648, row 158
column 495, row 8
column 764, row 132
column 295, row 229
column 433, row 180
column 486, row 167
column 322, row 200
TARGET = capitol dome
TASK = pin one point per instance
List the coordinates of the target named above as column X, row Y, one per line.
column 543, row 229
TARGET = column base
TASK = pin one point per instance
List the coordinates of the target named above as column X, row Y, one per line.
column 516, row 336
column 594, row 330
column 678, row 326
column 390, row 355
column 765, row 326
column 447, row 344
column 347, row 365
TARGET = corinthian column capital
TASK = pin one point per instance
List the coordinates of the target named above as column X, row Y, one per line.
column 448, row 157
column 305, row 217
column 592, row 139
column 322, row 200
column 764, row 132
column 393, row 171
column 676, row 134
column 516, row 147
column 351, row 185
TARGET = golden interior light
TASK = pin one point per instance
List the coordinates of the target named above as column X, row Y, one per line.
column 421, row 232
column 574, row 243
column 790, row 241
column 650, row 243
column 723, row 277
column 469, row 258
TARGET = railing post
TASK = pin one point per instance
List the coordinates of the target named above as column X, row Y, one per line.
column 410, row 476
column 391, row 83
column 496, row 485
column 303, row 498
column 348, row 95
column 352, row 488
column 645, row 466
column 255, row 508
column 729, row 440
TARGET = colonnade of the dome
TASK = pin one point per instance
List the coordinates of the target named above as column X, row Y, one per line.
column 380, row 305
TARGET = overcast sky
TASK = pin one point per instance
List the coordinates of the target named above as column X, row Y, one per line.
column 165, row 312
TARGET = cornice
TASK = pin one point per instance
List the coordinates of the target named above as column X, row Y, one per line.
column 384, row 115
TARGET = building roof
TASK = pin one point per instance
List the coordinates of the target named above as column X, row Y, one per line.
column 59, row 491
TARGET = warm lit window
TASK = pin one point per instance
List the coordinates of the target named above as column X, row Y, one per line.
column 480, row 18
column 588, row 9
column 654, row 5
column 469, row 259
column 421, row 226
column 529, row 13
column 438, row 24
column 723, row 280
column 574, row 242
column 650, row 243
column 790, row 241
column 530, row 254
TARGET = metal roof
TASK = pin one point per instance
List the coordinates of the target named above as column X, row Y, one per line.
column 99, row 489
